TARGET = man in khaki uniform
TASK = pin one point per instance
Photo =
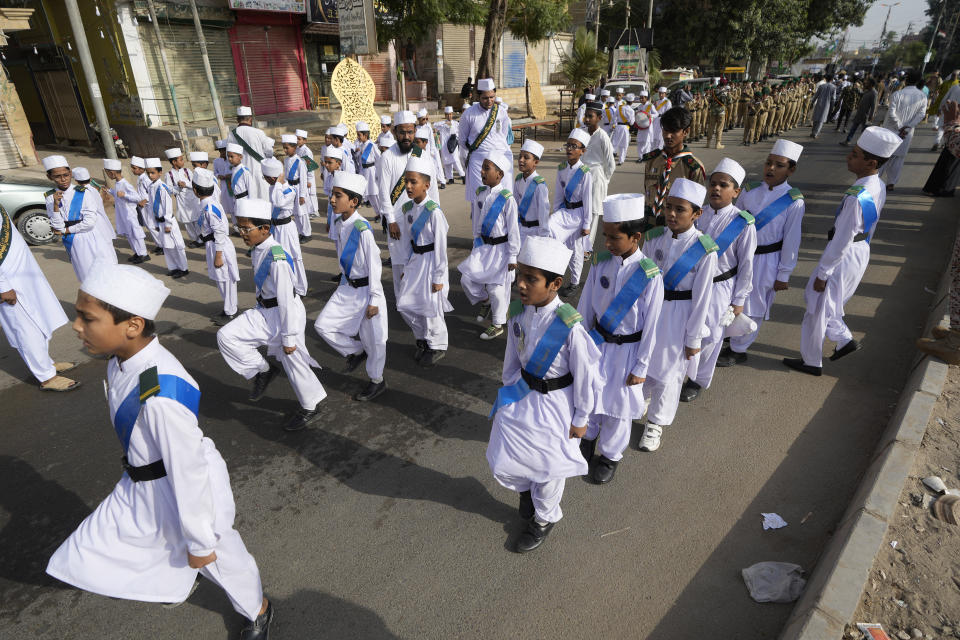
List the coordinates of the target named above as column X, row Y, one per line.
column 716, row 107
column 674, row 160
column 751, row 116
column 746, row 97
column 766, row 105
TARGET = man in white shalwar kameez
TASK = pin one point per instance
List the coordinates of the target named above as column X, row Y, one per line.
column 599, row 157
column 125, row 202
column 306, row 153
column 484, row 129
column 256, row 146
column 645, row 116
column 908, row 107
column 449, row 128
column 214, row 231
column 172, row 512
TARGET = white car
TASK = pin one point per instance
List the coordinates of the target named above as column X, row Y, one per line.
column 629, row 86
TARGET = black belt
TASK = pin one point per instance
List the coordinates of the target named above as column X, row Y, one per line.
column 529, row 223
column 356, row 283
column 670, row 295
column 237, row 196
column 726, row 275
column 768, row 248
column 297, row 181
column 856, row 238
column 572, row 205
column 614, row 338
column 69, row 223
column 269, row 303
column 159, row 219
column 546, row 386
column 279, row 222
column 152, row 471
column 368, row 165
column 420, row 249
column 208, row 238
column 493, row 241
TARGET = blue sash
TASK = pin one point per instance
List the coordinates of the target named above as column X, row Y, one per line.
column 773, row 210
column 540, row 360
column 731, row 233
column 215, row 210
column 263, row 271
column 489, row 220
column 419, row 224
column 76, row 203
column 156, row 202
column 236, row 176
column 275, row 212
column 571, row 187
column 294, row 169
column 365, row 156
column 687, row 261
column 630, row 292
column 171, row 387
column 868, row 210
column 527, row 200
column 350, row 249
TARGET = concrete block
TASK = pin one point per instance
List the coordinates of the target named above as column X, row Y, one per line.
column 909, row 422
column 888, row 476
column 816, row 626
column 931, row 376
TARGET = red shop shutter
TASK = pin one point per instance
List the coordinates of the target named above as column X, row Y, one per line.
column 269, row 68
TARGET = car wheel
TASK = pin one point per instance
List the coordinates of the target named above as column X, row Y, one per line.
column 34, row 226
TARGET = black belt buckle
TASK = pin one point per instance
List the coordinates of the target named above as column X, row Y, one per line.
column 420, row 249
column 572, row 205
column 356, row 283
column 206, row 239
column 543, row 385
column 493, row 241
column 529, row 223
column 240, row 195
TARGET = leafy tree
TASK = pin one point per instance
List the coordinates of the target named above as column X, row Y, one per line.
column 417, row 19
column 585, row 64
column 529, row 20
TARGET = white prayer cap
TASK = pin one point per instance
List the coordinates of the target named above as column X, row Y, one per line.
column 173, row 153
column 662, row 90
column 623, row 207
column 112, row 165
column 203, row 178
column 879, row 141
column 787, row 149
column 220, row 144
column 153, row 163
column 244, row 111
column 545, row 253
column 448, row 109
column 234, row 148
column 422, row 113
column 498, row 100
column 199, row 156
column 54, row 162
column 341, row 130
column 486, row 84
column 732, row 168
column 301, row 133
column 466, row 103
column 590, row 96
column 362, row 126
column 80, row 174
column 533, row 147
column 332, row 131
column 253, row 208
column 350, row 181
column 497, row 158
column 386, row 120
column 424, row 132
column 386, row 139
column 692, row 192
column 580, row 135
column 631, row 97
column 126, row 287
column 644, row 93
column 288, row 138
column 137, row 161
column 604, row 93
column 620, row 89
column 331, row 151
column 404, row 117
column 271, row 167
column 419, row 164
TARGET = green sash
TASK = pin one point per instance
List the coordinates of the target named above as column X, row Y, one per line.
column 398, row 188
column 246, row 147
column 6, row 234
column 487, row 128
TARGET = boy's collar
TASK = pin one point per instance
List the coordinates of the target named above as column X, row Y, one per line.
column 137, row 359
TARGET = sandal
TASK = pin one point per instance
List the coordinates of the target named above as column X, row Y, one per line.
column 64, row 366
column 59, row 383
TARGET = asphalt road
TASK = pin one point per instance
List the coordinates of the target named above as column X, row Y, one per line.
column 383, row 521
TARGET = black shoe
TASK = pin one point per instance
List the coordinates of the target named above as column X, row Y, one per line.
column 195, row 244
column 260, row 383
column 387, row 262
column 797, row 364
column 259, row 629
column 451, row 181
column 305, row 239
column 222, row 318
column 431, row 357
column 728, row 357
column 442, row 186
column 533, row 536
column 421, row 349
column 526, row 509
column 690, row 391
column 846, row 350
column 587, row 447
column 158, row 251
column 463, row 180
column 354, row 360
column 603, row 470
column 179, row 274
column 172, row 273
column 372, row 391
column 133, row 258
column 300, row 419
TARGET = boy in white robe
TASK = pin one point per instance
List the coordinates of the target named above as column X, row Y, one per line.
column 424, row 128
column 240, row 175
column 307, row 154
column 778, row 212
column 224, row 172
column 425, row 287
column 200, row 160
column 573, row 203
column 126, row 199
column 688, row 260
column 620, row 305
column 600, row 159
column 172, row 512
column 644, row 116
column 295, row 176
column 94, row 191
column 338, row 140
column 367, row 155
column 354, row 320
column 164, row 223
column 533, row 195
column 179, row 180
column 29, row 309
column 846, row 255
column 283, row 200
column 278, row 321
column 138, row 166
column 75, row 216
column 487, row 273
column 333, row 158
column 736, row 236
column 621, row 133
column 551, row 381
column 448, row 128
column 214, row 229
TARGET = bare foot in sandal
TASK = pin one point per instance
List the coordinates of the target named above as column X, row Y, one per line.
column 59, row 383
column 64, row 366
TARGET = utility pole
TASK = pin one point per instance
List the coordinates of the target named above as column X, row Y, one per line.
column 948, row 47
column 883, row 34
column 90, row 74
column 214, row 96
column 933, row 37
column 167, row 76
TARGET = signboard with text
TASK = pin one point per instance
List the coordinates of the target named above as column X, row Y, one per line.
column 358, row 32
column 285, row 6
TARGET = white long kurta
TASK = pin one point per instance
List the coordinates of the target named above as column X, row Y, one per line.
column 368, row 169
column 472, row 122
column 302, row 187
column 89, row 242
column 135, row 543
column 647, row 136
column 451, row 160
column 390, row 168
column 621, row 133
column 172, row 240
column 210, row 223
column 125, row 209
column 304, row 152
column 262, row 144
column 104, row 224
column 530, row 438
column 186, row 200
column 423, row 270
column 907, row 108
column 599, row 157
column 539, row 210
column 283, row 199
column 487, row 263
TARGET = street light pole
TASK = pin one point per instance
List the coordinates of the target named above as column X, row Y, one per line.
column 166, row 75
column 883, row 33
column 933, row 38
column 90, row 74
column 214, row 96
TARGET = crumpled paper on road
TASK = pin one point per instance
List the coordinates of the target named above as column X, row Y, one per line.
column 773, row 521
column 774, row 581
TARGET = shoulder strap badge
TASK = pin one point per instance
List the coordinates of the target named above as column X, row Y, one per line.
column 750, row 185
column 562, row 165
column 852, row 191
column 407, row 206
column 431, row 205
column 601, row 256
column 505, row 193
column 514, row 309
column 708, row 243
column 649, row 267
column 795, row 194
column 655, row 232
column 149, row 383
column 361, row 225
column 746, row 215
column 569, row 314
column 277, row 253
column 539, row 179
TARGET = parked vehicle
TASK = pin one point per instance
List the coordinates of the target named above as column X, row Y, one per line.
column 629, row 86
column 122, row 151
column 25, row 202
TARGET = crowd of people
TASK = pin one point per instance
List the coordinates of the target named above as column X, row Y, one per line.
column 688, row 273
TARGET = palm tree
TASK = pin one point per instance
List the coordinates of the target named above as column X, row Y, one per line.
column 584, row 66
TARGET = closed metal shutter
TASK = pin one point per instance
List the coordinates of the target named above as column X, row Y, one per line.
column 514, row 62
column 456, row 57
column 9, row 154
column 63, row 110
column 270, row 62
column 187, row 72
column 381, row 70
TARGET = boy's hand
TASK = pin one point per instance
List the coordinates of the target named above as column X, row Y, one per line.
column 121, row 194
column 167, row 229
column 394, row 230
column 632, row 380
column 689, row 353
column 9, row 297
column 289, row 350
column 218, row 260
column 372, row 311
column 737, row 309
column 779, row 285
column 142, row 203
column 511, row 266
column 57, row 197
column 303, row 201
column 578, row 432
column 199, row 562
column 584, row 232
column 182, row 184
column 437, row 287
column 819, row 285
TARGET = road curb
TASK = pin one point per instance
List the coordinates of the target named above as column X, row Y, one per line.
column 837, row 582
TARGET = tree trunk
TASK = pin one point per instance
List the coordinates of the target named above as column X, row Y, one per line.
column 496, row 22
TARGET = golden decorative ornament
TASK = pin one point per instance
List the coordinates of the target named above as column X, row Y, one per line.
column 538, row 105
column 354, row 88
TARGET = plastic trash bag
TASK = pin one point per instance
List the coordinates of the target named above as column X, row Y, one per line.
column 774, row 581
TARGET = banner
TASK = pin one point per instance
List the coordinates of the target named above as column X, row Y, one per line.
column 358, row 32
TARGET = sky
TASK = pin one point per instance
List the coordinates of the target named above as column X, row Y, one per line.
column 900, row 18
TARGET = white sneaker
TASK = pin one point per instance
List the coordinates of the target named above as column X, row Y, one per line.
column 651, row 437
